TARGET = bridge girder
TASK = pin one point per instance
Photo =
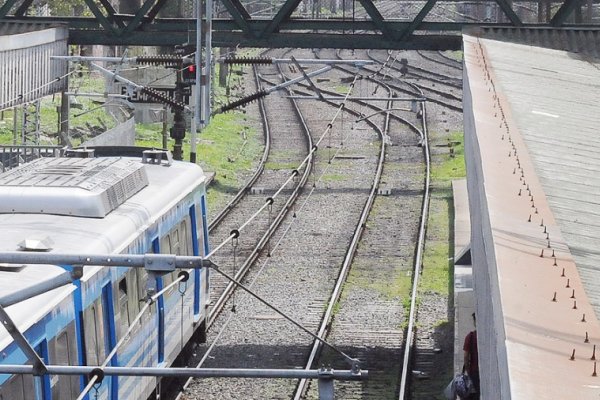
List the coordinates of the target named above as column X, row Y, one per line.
column 373, row 30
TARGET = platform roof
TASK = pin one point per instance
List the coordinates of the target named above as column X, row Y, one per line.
column 536, row 132
column 555, row 99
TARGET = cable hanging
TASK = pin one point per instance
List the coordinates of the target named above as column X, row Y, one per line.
column 23, row 95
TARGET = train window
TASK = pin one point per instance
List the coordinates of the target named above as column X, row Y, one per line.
column 63, row 351
column 132, row 291
column 18, row 387
column 94, row 333
column 142, row 277
column 165, row 244
column 124, row 305
column 167, row 247
column 186, row 237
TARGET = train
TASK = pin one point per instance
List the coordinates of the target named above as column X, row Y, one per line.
column 147, row 203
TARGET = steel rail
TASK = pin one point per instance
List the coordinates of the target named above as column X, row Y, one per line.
column 433, row 59
column 220, row 303
column 442, row 79
column 325, row 325
column 377, row 108
column 418, row 259
column 427, row 98
column 261, row 166
column 228, row 291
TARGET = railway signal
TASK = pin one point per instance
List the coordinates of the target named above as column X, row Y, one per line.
column 189, row 74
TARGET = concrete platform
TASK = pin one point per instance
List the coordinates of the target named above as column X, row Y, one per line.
column 464, row 304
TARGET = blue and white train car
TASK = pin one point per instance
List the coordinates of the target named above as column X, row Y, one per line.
column 93, row 206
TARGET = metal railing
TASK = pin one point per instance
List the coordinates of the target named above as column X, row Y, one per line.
column 12, row 156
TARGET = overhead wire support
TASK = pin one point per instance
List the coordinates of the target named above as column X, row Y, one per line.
column 170, row 60
column 38, row 367
column 264, row 92
column 192, row 372
column 143, row 89
column 156, row 263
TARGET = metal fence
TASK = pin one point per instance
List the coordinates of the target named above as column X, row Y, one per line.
column 26, row 71
column 12, row 156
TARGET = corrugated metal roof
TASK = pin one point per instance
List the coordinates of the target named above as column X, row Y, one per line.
column 555, row 98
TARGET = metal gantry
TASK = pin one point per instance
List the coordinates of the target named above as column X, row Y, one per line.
column 155, row 265
column 410, row 25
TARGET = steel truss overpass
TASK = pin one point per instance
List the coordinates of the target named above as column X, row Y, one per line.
column 386, row 24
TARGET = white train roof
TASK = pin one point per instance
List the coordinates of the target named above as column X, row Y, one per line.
column 85, row 187
column 164, row 187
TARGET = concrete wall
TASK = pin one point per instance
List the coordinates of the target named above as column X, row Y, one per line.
column 491, row 336
column 463, row 278
column 121, row 135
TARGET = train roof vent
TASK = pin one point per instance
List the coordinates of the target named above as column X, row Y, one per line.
column 11, row 267
column 83, row 187
column 36, row 244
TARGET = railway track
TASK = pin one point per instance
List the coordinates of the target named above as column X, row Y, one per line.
column 397, row 82
column 248, row 334
column 261, row 190
column 439, row 57
column 307, row 272
column 369, row 320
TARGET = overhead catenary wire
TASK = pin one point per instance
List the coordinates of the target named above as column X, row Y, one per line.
column 288, row 228
column 236, row 232
column 353, row 362
column 21, row 96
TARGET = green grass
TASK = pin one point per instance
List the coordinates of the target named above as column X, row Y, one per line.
column 457, row 54
column 342, row 89
column 452, row 165
column 437, row 275
column 222, row 149
column 397, row 288
column 85, row 112
column 277, row 166
column 333, row 178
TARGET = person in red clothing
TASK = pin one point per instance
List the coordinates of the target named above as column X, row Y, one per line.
column 471, row 363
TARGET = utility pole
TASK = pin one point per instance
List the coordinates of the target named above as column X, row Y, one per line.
column 196, row 123
column 178, row 128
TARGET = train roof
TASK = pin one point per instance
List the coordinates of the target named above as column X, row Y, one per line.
column 159, row 189
column 84, row 187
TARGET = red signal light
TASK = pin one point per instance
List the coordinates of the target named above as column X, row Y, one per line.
column 192, row 68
